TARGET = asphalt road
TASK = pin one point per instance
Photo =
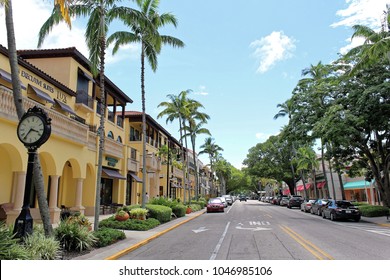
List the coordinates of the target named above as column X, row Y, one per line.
column 255, row 230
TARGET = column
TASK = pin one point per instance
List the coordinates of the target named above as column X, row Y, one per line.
column 79, row 195
column 18, row 189
column 53, row 191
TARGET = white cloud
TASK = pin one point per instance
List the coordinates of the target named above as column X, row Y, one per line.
column 61, row 36
column 202, row 91
column 271, row 49
column 365, row 12
column 360, row 12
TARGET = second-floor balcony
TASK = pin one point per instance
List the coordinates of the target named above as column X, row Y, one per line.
column 61, row 125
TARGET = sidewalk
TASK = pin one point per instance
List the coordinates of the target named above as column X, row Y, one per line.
column 135, row 239
column 382, row 221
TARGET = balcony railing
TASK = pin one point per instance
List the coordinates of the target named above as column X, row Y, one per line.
column 61, row 125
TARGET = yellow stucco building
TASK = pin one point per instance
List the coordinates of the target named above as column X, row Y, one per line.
column 60, row 82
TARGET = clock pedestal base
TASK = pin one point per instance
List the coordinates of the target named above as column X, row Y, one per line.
column 23, row 224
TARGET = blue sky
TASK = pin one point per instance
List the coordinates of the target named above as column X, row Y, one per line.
column 241, row 58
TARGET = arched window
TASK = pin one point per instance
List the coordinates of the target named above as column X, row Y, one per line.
column 119, row 139
column 110, row 135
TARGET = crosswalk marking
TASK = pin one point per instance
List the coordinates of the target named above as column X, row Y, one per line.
column 371, row 228
column 259, row 223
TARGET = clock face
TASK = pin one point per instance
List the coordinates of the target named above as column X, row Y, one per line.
column 31, row 129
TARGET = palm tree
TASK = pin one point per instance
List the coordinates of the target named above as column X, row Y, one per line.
column 286, row 109
column 376, row 46
column 307, row 161
column 100, row 13
column 195, row 129
column 209, row 147
column 317, row 74
column 145, row 32
column 18, row 101
column 176, row 110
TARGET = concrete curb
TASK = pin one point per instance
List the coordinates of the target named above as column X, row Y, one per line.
column 147, row 240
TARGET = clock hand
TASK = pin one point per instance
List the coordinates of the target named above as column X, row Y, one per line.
column 25, row 136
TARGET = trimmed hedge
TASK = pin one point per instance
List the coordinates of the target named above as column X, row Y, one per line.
column 373, row 210
column 159, row 212
column 179, row 210
column 130, row 224
column 107, row 236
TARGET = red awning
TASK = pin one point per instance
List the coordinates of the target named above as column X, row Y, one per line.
column 286, row 191
column 320, row 185
column 300, row 187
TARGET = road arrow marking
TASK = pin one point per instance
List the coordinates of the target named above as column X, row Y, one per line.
column 199, row 229
column 253, row 229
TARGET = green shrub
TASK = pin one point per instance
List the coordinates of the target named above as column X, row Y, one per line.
column 128, row 208
column 74, row 237
column 374, row 210
column 40, row 247
column 179, row 210
column 195, row 207
column 138, row 213
column 10, row 249
column 108, row 236
column 159, row 212
column 130, row 224
column 202, row 203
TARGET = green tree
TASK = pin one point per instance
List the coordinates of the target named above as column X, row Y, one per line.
column 307, row 162
column 145, row 32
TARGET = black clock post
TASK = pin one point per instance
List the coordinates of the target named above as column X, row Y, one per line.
column 33, row 130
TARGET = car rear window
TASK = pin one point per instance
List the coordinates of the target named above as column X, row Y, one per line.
column 215, row 200
column 344, row 204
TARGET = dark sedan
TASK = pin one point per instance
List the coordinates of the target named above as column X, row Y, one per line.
column 318, row 205
column 215, row 205
column 341, row 210
column 294, row 201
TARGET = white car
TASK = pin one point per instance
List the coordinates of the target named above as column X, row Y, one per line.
column 224, row 201
column 228, row 199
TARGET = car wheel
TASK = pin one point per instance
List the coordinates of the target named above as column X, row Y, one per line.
column 332, row 217
column 357, row 219
column 312, row 212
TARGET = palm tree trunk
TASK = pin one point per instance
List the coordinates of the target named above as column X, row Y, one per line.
column 196, row 169
column 102, row 42
column 144, row 173
column 18, row 100
column 326, row 186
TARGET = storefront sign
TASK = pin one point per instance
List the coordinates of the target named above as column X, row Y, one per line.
column 111, row 161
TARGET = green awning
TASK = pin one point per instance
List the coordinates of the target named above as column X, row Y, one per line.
column 357, row 185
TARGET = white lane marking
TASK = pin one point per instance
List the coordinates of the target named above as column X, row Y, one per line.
column 200, row 229
column 215, row 252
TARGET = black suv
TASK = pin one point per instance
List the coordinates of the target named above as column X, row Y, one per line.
column 242, row 197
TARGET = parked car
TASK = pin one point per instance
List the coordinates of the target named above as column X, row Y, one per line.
column 228, row 199
column 295, row 201
column 316, row 207
column 223, row 201
column 215, row 205
column 341, row 209
column 284, row 201
column 306, row 205
column 242, row 197
column 279, row 198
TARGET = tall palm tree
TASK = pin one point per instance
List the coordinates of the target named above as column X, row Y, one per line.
column 176, row 110
column 307, row 161
column 99, row 13
column 18, row 101
column 194, row 129
column 316, row 75
column 212, row 149
column 146, row 33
